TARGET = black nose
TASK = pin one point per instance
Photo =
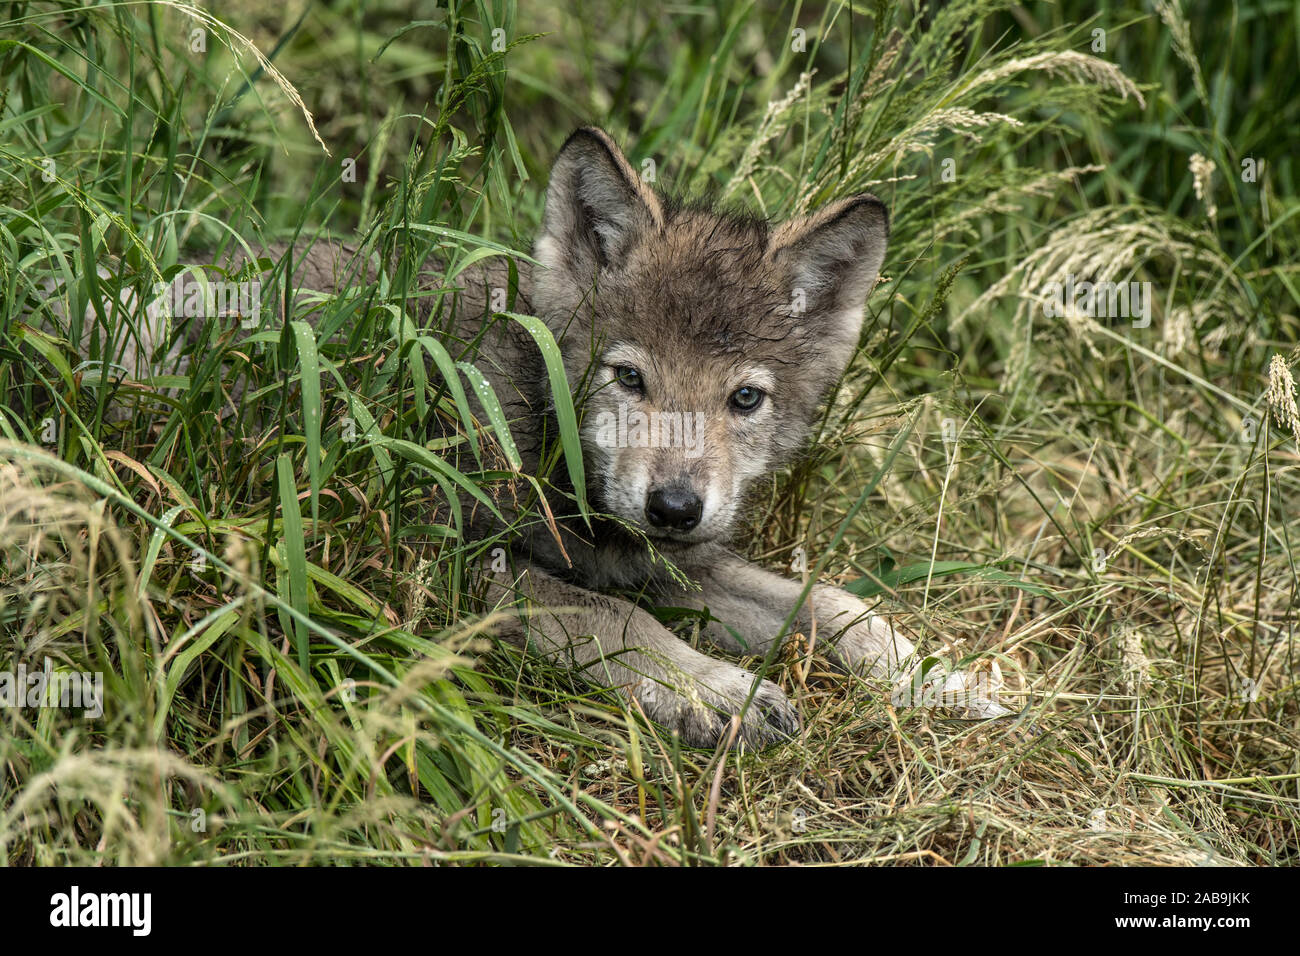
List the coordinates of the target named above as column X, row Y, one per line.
column 676, row 508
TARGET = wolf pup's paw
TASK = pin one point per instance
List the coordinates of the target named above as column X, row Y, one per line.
column 701, row 712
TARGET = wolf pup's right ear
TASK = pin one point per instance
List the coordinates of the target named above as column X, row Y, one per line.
column 830, row 261
column 596, row 204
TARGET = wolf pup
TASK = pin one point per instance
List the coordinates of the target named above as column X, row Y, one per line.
column 706, row 342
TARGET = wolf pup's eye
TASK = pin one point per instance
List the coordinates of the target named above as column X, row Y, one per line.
column 629, row 377
column 747, row 399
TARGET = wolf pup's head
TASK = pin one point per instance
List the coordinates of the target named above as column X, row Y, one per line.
column 707, row 340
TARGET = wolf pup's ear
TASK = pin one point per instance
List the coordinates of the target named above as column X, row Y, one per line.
column 595, row 206
column 830, row 261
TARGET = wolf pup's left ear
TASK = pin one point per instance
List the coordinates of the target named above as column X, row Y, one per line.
column 830, row 261
column 596, row 204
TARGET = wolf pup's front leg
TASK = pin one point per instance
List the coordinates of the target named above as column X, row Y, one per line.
column 749, row 606
column 611, row 642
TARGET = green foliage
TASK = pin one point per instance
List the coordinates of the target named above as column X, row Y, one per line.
column 294, row 670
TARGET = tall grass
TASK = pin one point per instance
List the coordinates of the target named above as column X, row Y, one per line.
column 295, row 668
